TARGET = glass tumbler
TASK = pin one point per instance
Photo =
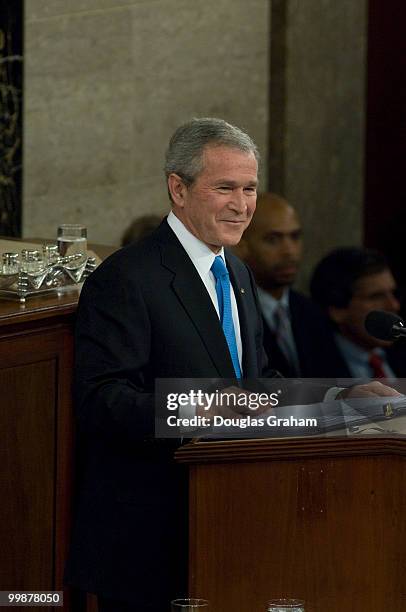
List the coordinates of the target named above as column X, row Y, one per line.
column 10, row 263
column 72, row 239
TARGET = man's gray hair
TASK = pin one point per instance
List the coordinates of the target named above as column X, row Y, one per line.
column 184, row 156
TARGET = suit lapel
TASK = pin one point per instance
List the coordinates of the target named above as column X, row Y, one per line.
column 192, row 293
column 245, row 305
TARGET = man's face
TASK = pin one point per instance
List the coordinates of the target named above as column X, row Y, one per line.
column 219, row 205
column 273, row 245
column 372, row 292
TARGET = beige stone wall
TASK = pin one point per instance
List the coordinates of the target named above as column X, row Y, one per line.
column 317, row 159
column 106, row 83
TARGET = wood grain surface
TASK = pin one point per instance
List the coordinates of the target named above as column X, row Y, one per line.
column 327, row 528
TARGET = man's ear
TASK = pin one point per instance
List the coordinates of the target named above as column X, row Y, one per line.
column 177, row 189
column 338, row 315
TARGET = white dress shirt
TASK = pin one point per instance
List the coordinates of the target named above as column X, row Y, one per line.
column 357, row 358
column 202, row 258
column 269, row 305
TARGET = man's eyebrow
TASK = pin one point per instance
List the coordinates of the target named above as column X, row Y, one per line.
column 231, row 183
column 380, row 292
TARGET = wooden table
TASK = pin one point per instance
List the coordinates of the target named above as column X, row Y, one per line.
column 37, row 430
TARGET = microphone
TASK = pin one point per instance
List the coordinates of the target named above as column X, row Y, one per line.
column 384, row 325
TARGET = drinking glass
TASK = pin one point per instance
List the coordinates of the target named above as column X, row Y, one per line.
column 72, row 239
column 285, row 605
column 189, row 605
column 32, row 261
column 10, row 263
column 9, row 270
column 51, row 253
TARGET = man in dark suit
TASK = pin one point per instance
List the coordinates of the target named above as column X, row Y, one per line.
column 151, row 311
column 348, row 283
column 160, row 308
column 294, row 326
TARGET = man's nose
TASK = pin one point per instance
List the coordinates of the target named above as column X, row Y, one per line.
column 289, row 246
column 238, row 201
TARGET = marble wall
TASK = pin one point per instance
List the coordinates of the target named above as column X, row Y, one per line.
column 107, row 82
column 317, row 116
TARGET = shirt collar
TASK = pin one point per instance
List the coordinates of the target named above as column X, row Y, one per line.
column 355, row 352
column 269, row 304
column 200, row 254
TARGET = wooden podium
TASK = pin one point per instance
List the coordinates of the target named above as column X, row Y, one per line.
column 321, row 519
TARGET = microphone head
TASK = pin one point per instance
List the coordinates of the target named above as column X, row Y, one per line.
column 379, row 324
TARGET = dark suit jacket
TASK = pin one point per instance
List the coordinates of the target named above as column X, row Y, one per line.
column 335, row 365
column 143, row 314
column 309, row 327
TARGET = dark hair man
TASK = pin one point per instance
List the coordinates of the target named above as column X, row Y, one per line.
column 151, row 311
column 294, row 328
column 348, row 283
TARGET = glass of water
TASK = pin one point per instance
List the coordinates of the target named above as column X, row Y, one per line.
column 72, row 240
column 189, row 605
column 285, row 605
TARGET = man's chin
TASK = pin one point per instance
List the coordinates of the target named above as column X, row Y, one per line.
column 369, row 343
column 232, row 239
column 284, row 280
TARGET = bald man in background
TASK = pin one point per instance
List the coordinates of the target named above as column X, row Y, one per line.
column 294, row 327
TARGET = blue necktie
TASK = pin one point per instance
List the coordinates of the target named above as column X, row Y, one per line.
column 224, row 301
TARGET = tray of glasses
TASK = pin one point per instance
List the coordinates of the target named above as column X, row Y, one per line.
column 30, row 275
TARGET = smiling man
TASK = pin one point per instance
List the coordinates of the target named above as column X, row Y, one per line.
column 175, row 305
column 225, row 190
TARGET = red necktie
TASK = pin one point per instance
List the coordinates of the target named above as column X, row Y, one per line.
column 376, row 363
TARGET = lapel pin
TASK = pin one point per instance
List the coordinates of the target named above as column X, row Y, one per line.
column 242, row 290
